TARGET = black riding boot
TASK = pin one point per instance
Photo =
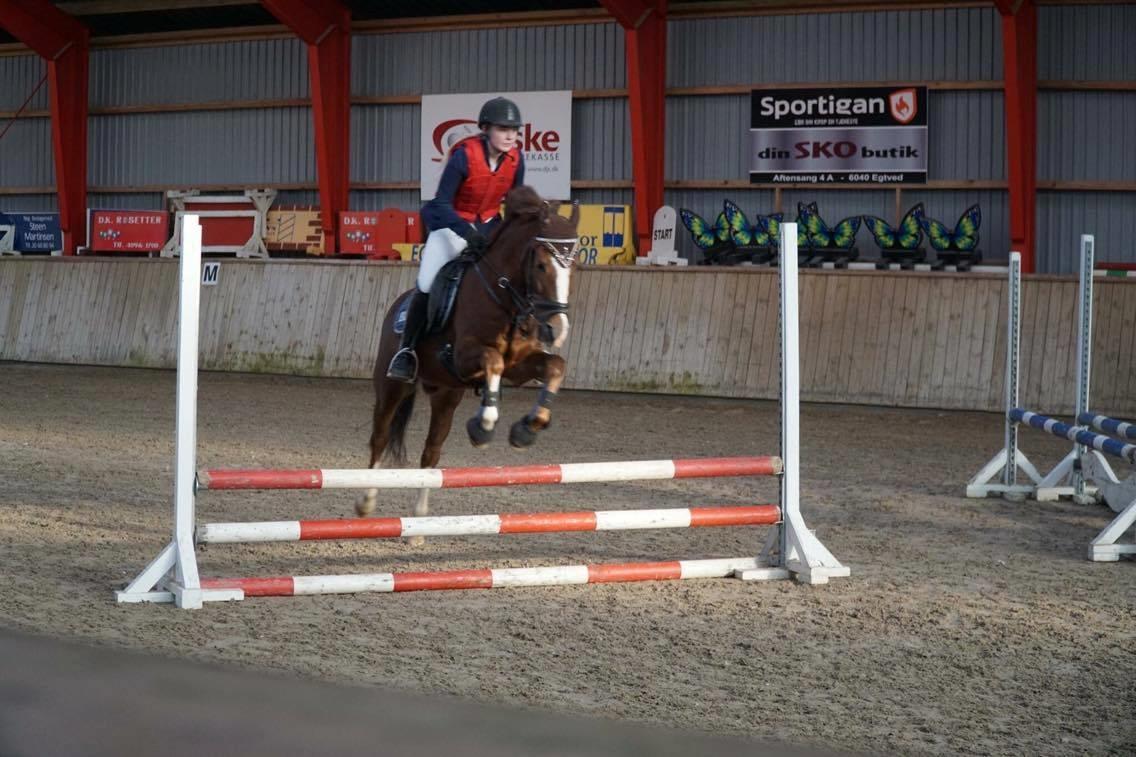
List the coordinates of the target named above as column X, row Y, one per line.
column 404, row 365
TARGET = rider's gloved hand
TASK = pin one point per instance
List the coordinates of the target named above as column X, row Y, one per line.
column 476, row 242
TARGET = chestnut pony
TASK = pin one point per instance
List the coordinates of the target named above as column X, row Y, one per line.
column 510, row 312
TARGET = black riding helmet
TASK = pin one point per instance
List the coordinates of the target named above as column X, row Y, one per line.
column 500, row 112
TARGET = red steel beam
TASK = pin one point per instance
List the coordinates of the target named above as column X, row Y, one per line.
column 325, row 27
column 64, row 43
column 1019, row 51
column 645, row 26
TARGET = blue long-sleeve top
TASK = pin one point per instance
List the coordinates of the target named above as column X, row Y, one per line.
column 439, row 213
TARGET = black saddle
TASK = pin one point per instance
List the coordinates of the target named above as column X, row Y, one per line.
column 444, row 293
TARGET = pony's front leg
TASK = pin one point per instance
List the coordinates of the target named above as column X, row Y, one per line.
column 550, row 369
column 481, row 426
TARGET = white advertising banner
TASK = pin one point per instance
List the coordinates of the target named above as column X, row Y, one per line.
column 546, row 137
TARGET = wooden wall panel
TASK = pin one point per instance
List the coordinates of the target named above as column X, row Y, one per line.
column 906, row 339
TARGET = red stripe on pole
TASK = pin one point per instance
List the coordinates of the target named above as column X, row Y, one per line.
column 355, row 528
column 727, row 466
column 280, row 586
column 755, row 515
column 536, row 523
column 634, row 571
column 456, row 478
column 452, row 579
column 260, row 479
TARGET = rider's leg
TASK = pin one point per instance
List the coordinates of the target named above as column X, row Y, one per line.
column 404, row 365
column 442, row 246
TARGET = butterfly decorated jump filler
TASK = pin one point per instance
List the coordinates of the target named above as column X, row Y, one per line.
column 907, row 236
column 704, row 234
column 764, row 232
column 964, row 236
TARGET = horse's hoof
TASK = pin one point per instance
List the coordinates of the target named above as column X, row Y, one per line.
column 416, row 541
column 478, row 436
column 365, row 506
column 520, row 435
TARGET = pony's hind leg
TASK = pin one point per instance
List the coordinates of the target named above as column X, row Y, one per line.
column 443, row 403
column 391, row 407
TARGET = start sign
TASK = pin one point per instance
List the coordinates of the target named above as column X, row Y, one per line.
column 128, row 230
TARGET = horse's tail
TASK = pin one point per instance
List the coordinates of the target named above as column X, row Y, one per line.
column 396, row 445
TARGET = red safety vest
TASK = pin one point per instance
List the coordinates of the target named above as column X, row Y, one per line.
column 479, row 197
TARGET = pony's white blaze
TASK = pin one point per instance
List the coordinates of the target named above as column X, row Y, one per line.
column 560, row 321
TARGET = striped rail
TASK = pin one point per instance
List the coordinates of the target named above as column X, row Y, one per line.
column 498, row 578
column 467, row 525
column 1108, row 425
column 1074, row 434
column 454, row 478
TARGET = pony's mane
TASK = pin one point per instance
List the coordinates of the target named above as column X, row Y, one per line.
column 522, row 201
column 522, row 210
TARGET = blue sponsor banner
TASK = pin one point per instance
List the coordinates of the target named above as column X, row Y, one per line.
column 35, row 232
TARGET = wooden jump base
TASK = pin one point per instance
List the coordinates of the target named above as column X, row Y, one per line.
column 494, row 578
column 458, row 478
column 469, row 525
column 1084, row 463
column 792, row 551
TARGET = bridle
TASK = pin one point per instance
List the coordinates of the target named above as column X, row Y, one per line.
column 530, row 304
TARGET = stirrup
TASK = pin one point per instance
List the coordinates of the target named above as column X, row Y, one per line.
column 411, row 375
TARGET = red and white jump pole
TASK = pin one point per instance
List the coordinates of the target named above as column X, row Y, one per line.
column 173, row 575
column 470, row 525
column 459, row 478
column 494, row 578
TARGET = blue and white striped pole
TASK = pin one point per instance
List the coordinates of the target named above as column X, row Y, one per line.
column 1108, row 425
column 1075, row 434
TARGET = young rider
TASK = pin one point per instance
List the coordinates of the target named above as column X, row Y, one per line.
column 481, row 169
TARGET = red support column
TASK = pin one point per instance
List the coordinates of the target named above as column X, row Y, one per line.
column 325, row 26
column 63, row 42
column 645, row 24
column 1019, row 52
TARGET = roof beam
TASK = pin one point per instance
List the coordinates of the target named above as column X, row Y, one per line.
column 111, row 7
column 325, row 26
column 41, row 26
column 645, row 27
column 1019, row 55
column 63, row 43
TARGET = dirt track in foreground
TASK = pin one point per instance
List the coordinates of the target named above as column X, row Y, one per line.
column 967, row 626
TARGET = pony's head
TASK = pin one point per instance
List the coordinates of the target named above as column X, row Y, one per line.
column 549, row 242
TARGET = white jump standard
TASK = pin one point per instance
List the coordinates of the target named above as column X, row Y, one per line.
column 791, row 551
column 1084, row 464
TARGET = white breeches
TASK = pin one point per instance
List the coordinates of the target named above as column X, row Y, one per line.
column 442, row 246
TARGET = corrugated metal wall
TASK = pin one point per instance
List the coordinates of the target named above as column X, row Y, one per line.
column 127, row 201
column 26, row 158
column 241, row 147
column 28, row 204
column 1083, row 135
column 1086, row 136
column 216, row 71
column 1063, row 216
column 19, row 75
column 1086, row 42
column 961, row 44
column 581, row 56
